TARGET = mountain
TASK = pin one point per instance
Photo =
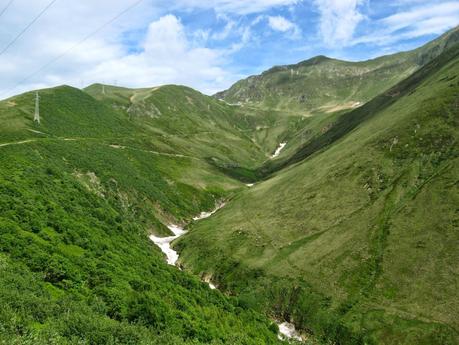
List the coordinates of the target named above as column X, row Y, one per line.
column 354, row 237
column 323, row 85
column 306, row 99
column 81, row 192
column 349, row 233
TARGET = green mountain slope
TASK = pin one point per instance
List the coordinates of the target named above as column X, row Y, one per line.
column 350, row 233
column 324, row 85
column 357, row 241
column 306, row 99
column 186, row 120
column 79, row 196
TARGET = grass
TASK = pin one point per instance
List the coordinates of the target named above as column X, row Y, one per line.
column 78, row 203
column 354, row 239
column 323, row 83
column 349, row 233
column 89, row 274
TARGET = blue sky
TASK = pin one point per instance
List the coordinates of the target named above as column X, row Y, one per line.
column 207, row 45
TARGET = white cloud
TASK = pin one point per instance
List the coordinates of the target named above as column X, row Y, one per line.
column 167, row 54
column 245, row 37
column 227, row 30
column 431, row 18
column 282, row 24
column 279, row 23
column 168, row 57
column 338, row 20
column 235, row 6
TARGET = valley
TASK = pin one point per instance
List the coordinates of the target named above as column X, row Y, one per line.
column 315, row 203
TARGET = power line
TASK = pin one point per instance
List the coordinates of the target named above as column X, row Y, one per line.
column 6, row 7
column 27, row 27
column 84, row 39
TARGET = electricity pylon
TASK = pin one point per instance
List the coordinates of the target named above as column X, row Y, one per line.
column 36, row 117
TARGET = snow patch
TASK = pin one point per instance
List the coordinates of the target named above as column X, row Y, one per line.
column 206, row 279
column 164, row 243
column 288, row 331
column 278, row 150
column 204, row 215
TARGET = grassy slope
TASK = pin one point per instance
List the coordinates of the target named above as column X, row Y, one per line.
column 109, row 167
column 182, row 119
column 187, row 121
column 324, row 84
column 305, row 99
column 358, row 241
column 75, row 211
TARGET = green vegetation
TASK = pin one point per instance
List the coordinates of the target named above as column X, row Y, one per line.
column 78, row 200
column 298, row 103
column 350, row 233
column 355, row 239
column 326, row 85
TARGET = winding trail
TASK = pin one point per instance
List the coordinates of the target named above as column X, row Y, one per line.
column 17, row 142
column 113, row 146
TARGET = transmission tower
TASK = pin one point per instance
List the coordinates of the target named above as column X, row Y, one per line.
column 36, row 117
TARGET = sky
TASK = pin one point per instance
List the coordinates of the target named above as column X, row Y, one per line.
column 207, row 45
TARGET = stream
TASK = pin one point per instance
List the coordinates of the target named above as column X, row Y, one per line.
column 287, row 330
column 164, row 243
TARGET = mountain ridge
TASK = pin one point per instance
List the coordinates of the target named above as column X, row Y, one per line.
column 349, row 233
column 359, row 229
column 388, row 69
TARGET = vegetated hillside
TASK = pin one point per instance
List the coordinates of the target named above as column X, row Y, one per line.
column 187, row 121
column 70, row 116
column 356, row 242
column 79, row 196
column 179, row 118
column 322, row 84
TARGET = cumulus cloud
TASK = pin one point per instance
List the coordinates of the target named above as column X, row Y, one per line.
column 338, row 20
column 282, row 24
column 167, row 53
column 167, row 57
column 279, row 23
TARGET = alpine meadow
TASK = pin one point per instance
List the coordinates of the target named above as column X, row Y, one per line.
column 314, row 203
